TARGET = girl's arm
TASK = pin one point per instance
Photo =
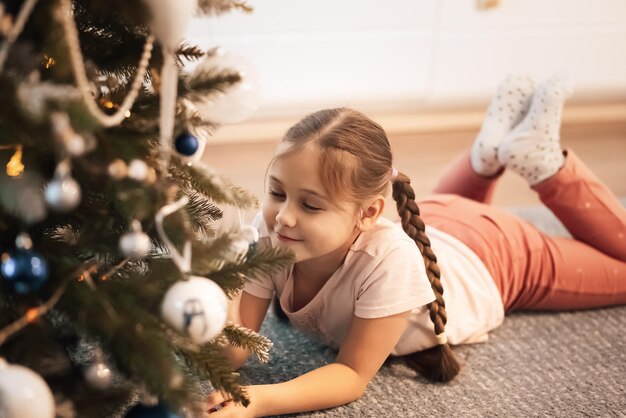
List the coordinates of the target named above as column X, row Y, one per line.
column 368, row 344
column 248, row 311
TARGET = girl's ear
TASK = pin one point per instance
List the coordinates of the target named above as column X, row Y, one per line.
column 370, row 214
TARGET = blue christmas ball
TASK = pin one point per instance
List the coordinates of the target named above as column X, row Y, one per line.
column 186, row 144
column 154, row 411
column 24, row 271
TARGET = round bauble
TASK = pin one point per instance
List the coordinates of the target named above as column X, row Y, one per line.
column 23, row 393
column 138, row 170
column 62, row 194
column 135, row 244
column 23, row 271
column 117, row 169
column 22, row 197
column 250, row 233
column 186, row 144
column 99, row 376
column 196, row 307
column 237, row 250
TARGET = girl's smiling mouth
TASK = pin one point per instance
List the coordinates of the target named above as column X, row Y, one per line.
column 286, row 238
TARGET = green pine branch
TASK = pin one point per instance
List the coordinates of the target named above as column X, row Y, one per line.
column 212, row 364
column 263, row 262
column 210, row 184
column 202, row 213
column 243, row 337
column 201, row 86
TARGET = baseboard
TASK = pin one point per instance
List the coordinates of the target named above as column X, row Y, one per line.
column 608, row 117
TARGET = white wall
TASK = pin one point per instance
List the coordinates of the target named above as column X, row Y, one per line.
column 406, row 54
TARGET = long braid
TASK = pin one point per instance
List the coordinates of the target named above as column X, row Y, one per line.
column 437, row 363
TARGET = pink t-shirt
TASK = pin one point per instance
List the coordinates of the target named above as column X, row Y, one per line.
column 383, row 274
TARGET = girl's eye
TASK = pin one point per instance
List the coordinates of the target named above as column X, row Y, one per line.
column 311, row 208
column 276, row 195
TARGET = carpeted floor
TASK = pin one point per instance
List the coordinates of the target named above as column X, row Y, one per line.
column 568, row 364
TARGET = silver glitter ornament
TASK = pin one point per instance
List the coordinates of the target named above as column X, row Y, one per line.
column 62, row 193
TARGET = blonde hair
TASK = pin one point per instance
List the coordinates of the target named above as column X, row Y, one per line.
column 356, row 165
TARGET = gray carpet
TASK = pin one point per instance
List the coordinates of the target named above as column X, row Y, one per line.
column 569, row 364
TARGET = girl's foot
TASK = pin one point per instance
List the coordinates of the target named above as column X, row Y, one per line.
column 533, row 149
column 507, row 108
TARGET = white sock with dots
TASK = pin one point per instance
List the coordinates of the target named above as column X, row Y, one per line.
column 507, row 108
column 533, row 149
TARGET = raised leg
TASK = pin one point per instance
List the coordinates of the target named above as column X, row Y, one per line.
column 473, row 174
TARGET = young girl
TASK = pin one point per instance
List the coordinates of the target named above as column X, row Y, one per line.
column 370, row 289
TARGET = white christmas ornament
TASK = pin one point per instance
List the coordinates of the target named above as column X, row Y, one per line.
column 23, row 393
column 196, row 307
column 99, row 376
column 76, row 145
column 239, row 101
column 135, row 244
column 138, row 170
column 170, row 19
column 238, row 249
column 62, row 193
column 250, row 233
column 117, row 169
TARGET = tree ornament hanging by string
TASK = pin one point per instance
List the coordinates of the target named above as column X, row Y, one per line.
column 117, row 169
column 23, row 270
column 186, row 144
column 196, row 307
column 21, row 197
column 237, row 250
column 244, row 242
column 135, row 244
column 138, row 170
column 239, row 101
column 250, row 234
column 98, row 374
column 62, row 193
column 200, row 134
column 73, row 143
column 169, row 21
column 24, row 393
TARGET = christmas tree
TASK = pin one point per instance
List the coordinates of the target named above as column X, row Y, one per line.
column 114, row 277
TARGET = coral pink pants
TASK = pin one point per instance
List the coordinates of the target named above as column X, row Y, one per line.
column 531, row 269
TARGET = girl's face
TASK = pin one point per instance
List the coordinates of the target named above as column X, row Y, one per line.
column 298, row 213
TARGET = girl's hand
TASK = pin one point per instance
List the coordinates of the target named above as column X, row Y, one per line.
column 220, row 405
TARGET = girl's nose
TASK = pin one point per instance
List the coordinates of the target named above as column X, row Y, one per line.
column 285, row 216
